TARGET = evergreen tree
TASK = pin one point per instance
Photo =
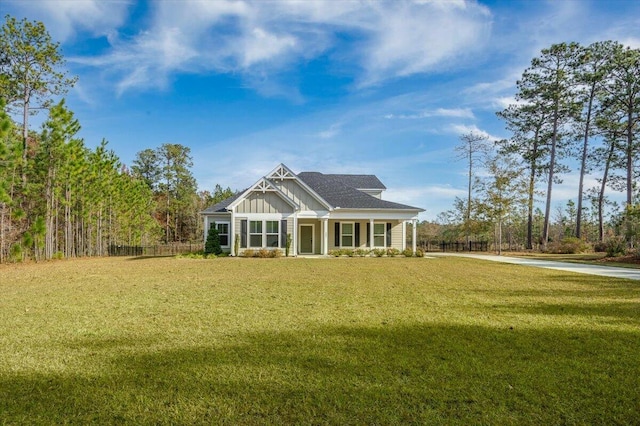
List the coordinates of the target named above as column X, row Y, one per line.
column 212, row 245
column 30, row 71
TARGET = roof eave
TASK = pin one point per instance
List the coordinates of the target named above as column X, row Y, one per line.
column 413, row 209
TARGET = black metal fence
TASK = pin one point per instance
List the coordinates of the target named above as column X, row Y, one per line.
column 451, row 246
column 464, row 246
column 158, row 250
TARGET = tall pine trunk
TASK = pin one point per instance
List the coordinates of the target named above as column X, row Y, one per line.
column 583, row 162
column 552, row 159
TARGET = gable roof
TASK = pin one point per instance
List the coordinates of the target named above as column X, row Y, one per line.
column 263, row 185
column 337, row 191
column 221, row 207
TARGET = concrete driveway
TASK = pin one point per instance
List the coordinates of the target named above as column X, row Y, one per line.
column 604, row 271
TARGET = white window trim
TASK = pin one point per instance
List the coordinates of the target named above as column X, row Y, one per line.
column 384, row 234
column 353, row 234
column 228, row 234
column 267, row 234
column 250, row 234
column 264, row 233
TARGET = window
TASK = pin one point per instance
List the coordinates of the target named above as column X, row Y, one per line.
column 272, row 233
column 264, row 233
column 346, row 235
column 379, row 234
column 255, row 233
column 223, row 233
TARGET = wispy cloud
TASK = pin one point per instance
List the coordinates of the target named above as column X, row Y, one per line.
column 386, row 39
column 416, row 37
column 331, row 132
column 439, row 112
column 65, row 18
column 461, row 129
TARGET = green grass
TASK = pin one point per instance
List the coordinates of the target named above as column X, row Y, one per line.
column 315, row 341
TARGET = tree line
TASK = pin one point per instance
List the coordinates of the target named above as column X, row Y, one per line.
column 575, row 106
column 60, row 198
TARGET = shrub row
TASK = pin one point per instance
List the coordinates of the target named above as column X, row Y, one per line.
column 378, row 252
column 262, row 253
column 614, row 247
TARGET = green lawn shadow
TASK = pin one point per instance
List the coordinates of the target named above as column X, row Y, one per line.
column 400, row 374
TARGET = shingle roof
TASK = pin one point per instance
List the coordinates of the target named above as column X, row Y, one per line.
column 339, row 190
column 221, row 207
column 335, row 189
column 360, row 181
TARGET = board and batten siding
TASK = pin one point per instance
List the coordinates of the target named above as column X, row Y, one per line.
column 267, row 202
column 299, row 195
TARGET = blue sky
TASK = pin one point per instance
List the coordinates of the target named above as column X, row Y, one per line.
column 380, row 87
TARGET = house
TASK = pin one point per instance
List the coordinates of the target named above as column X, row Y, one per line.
column 320, row 212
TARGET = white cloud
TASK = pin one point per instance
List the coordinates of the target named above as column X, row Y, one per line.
column 422, row 37
column 261, row 46
column 462, row 129
column 331, row 132
column 63, row 18
column 439, row 112
column 387, row 39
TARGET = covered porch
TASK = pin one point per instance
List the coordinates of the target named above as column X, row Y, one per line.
column 319, row 236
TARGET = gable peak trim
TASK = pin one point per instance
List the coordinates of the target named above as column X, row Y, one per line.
column 281, row 172
column 263, row 185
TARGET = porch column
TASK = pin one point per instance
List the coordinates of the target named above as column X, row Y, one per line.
column 404, row 235
column 206, row 229
column 294, row 235
column 325, row 237
column 414, row 224
column 370, row 234
column 232, row 234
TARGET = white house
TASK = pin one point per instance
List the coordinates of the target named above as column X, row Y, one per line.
column 319, row 211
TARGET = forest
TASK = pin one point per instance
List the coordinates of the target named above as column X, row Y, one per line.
column 58, row 197
column 576, row 110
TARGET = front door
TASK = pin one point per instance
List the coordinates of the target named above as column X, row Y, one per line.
column 306, row 239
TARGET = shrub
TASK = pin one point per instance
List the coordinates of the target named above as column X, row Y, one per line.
column 16, row 252
column 569, row 245
column 287, row 246
column 407, row 252
column 275, row 253
column 196, row 255
column 600, row 247
column 393, row 252
column 616, row 246
column 419, row 253
column 249, row 253
column 379, row 252
column 212, row 245
column 361, row 252
column 263, row 253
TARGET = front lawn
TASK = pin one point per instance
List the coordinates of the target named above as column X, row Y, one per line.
column 337, row 341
